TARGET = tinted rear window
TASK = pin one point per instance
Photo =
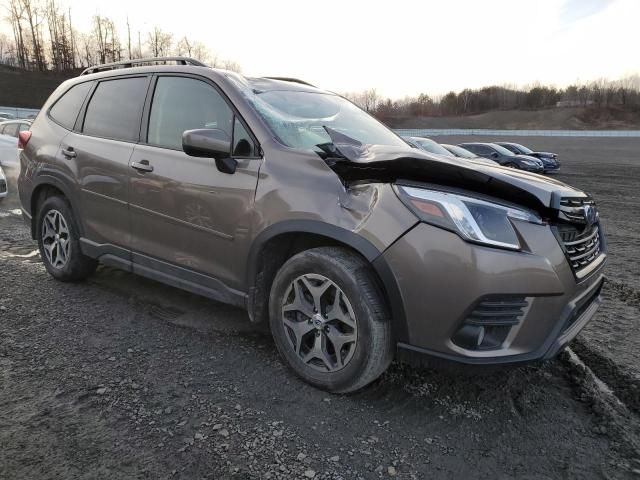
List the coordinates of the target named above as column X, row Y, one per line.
column 65, row 110
column 115, row 108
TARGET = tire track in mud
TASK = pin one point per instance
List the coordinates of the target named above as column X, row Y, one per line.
column 615, row 417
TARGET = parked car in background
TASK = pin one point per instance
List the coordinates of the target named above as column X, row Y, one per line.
column 427, row 145
column 504, row 157
column 9, row 137
column 549, row 160
column 3, row 185
column 347, row 241
column 460, row 152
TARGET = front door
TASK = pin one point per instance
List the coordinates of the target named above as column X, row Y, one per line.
column 188, row 219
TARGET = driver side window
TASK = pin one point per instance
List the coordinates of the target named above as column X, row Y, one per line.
column 180, row 104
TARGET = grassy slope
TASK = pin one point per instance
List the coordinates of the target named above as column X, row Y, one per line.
column 548, row 119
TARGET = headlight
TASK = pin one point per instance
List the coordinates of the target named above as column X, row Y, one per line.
column 473, row 219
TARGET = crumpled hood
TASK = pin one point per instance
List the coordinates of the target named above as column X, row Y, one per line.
column 355, row 163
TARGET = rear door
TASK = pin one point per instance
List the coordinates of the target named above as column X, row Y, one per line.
column 186, row 215
column 109, row 128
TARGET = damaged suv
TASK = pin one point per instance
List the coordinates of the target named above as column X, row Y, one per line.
column 293, row 203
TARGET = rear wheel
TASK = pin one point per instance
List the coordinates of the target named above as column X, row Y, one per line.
column 329, row 319
column 59, row 241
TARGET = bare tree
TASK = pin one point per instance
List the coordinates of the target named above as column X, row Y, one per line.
column 184, row 47
column 160, row 42
column 129, row 39
column 60, row 38
column 16, row 17
column 34, row 18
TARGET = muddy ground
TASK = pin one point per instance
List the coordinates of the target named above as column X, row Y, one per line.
column 121, row 377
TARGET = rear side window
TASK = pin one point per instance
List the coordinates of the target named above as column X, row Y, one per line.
column 65, row 110
column 180, row 104
column 115, row 109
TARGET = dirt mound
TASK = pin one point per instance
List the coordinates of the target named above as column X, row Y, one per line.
column 19, row 88
column 547, row 119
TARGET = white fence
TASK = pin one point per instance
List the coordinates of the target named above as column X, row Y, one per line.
column 19, row 112
column 422, row 132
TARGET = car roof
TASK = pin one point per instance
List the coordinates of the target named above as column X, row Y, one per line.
column 258, row 84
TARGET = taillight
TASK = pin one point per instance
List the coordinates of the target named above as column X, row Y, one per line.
column 23, row 139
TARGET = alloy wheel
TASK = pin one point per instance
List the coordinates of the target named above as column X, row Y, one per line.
column 319, row 322
column 56, row 239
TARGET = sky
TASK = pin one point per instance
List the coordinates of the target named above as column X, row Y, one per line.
column 399, row 47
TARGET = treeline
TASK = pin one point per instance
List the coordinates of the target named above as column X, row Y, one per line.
column 44, row 39
column 623, row 93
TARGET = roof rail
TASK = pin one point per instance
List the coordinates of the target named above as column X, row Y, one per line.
column 289, row 79
column 141, row 61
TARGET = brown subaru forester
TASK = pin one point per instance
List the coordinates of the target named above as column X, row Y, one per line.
column 291, row 202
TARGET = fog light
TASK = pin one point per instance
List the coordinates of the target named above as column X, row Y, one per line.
column 469, row 337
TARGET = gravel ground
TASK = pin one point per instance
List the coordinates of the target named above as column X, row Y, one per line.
column 121, row 377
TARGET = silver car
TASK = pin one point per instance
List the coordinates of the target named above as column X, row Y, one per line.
column 9, row 134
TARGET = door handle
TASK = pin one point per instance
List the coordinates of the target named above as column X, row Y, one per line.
column 142, row 166
column 69, row 152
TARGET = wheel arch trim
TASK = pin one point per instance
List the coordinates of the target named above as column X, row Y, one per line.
column 52, row 180
column 358, row 243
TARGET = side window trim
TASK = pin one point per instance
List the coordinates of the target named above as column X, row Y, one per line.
column 144, row 130
column 77, row 127
column 83, row 111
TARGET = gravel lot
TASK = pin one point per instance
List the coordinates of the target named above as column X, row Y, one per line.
column 121, row 377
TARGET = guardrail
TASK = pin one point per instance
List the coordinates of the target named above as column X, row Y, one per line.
column 19, row 112
column 431, row 132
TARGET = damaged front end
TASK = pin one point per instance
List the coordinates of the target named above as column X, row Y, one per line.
column 356, row 163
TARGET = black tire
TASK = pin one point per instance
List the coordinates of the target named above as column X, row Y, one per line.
column 353, row 277
column 77, row 266
column 512, row 165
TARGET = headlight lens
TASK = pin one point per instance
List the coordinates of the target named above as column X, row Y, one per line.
column 473, row 219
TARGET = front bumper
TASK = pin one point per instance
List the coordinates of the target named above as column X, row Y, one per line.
column 443, row 278
column 531, row 168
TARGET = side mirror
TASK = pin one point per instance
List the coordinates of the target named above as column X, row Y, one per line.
column 494, row 155
column 210, row 143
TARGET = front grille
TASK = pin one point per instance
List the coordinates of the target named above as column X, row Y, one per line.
column 579, row 232
column 581, row 248
column 571, row 209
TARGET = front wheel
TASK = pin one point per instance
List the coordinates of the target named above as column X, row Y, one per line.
column 59, row 241
column 329, row 319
